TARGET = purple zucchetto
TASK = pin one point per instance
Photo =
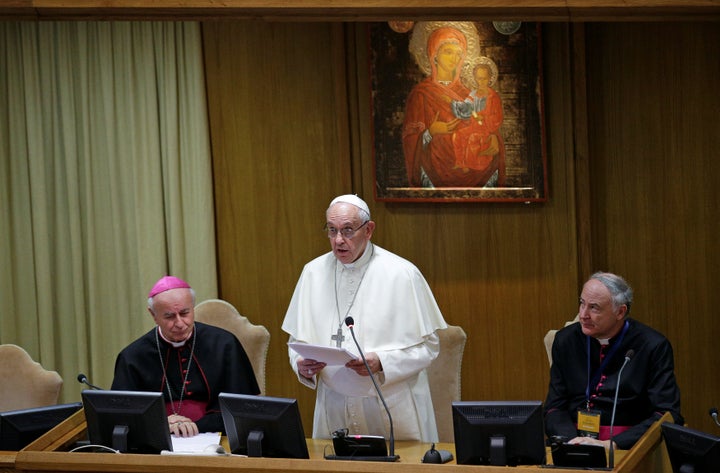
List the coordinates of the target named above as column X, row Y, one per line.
column 166, row 283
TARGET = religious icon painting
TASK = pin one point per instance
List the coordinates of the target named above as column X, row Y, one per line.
column 457, row 111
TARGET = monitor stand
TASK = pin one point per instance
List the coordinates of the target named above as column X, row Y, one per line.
column 120, row 438
column 498, row 452
column 254, row 443
column 361, row 448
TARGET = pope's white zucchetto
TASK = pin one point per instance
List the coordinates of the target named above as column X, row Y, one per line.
column 351, row 199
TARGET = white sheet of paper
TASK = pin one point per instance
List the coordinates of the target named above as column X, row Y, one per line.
column 330, row 355
column 196, row 444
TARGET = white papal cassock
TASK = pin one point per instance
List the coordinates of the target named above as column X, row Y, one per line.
column 395, row 316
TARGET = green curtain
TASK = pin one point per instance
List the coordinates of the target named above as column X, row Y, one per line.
column 105, row 185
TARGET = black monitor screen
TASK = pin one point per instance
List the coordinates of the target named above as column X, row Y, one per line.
column 260, row 426
column 691, row 451
column 499, row 433
column 21, row 427
column 127, row 421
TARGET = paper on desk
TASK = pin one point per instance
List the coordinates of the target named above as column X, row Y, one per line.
column 198, row 443
column 330, row 355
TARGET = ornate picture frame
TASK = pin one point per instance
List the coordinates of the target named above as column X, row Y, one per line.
column 457, row 111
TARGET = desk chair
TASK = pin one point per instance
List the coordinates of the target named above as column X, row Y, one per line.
column 550, row 338
column 444, row 375
column 24, row 383
column 255, row 339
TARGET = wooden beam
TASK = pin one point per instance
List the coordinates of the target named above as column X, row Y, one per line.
column 363, row 10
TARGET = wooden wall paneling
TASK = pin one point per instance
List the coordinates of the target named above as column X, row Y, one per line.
column 505, row 272
column 278, row 159
column 581, row 151
column 654, row 136
column 356, row 34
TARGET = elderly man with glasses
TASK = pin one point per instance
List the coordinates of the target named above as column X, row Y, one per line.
column 586, row 388
column 395, row 322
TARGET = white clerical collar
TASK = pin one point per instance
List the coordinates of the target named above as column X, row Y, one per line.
column 175, row 344
column 603, row 341
column 363, row 260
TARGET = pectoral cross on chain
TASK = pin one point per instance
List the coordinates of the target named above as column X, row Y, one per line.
column 338, row 337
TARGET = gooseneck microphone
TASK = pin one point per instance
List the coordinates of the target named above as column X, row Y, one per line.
column 350, row 322
column 611, row 452
column 714, row 414
column 83, row 379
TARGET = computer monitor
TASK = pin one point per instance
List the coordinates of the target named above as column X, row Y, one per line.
column 691, row 451
column 499, row 433
column 127, row 421
column 19, row 428
column 261, row 426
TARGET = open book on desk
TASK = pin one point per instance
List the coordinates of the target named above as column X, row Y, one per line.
column 330, row 355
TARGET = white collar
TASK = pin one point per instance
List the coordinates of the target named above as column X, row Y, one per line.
column 362, row 260
column 175, row 344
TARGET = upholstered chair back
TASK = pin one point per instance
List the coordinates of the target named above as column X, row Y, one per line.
column 24, row 383
column 255, row 339
column 444, row 375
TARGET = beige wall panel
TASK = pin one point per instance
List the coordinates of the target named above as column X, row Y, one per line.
column 654, row 140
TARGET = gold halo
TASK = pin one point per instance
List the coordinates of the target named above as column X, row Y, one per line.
column 422, row 30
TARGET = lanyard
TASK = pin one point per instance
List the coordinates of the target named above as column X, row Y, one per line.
column 596, row 377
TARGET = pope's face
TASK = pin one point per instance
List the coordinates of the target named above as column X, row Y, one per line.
column 599, row 318
column 341, row 216
column 174, row 313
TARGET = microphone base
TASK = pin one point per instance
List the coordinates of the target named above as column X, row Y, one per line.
column 367, row 458
column 580, row 456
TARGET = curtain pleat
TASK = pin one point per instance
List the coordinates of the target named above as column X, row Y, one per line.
column 105, row 185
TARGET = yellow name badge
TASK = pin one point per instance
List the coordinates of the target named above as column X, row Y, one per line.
column 588, row 423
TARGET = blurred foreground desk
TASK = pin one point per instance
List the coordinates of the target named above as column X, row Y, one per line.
column 49, row 453
column 7, row 461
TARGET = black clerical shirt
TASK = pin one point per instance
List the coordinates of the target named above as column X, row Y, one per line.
column 647, row 388
column 220, row 364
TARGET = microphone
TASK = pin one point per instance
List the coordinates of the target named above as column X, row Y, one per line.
column 350, row 322
column 83, row 379
column 611, row 453
column 714, row 414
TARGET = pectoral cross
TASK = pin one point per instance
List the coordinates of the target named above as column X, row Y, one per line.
column 338, row 337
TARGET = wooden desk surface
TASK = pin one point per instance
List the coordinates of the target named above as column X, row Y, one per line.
column 410, row 453
column 49, row 453
column 7, row 461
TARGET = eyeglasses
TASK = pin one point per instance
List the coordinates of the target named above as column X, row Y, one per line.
column 348, row 232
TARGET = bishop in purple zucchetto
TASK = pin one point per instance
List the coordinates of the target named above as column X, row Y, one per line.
column 166, row 283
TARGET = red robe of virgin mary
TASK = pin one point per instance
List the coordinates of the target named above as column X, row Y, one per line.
column 429, row 102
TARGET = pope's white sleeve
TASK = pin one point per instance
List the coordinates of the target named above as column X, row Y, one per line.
column 402, row 364
column 294, row 356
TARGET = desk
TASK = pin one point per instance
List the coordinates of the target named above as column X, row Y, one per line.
column 49, row 453
column 7, row 461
